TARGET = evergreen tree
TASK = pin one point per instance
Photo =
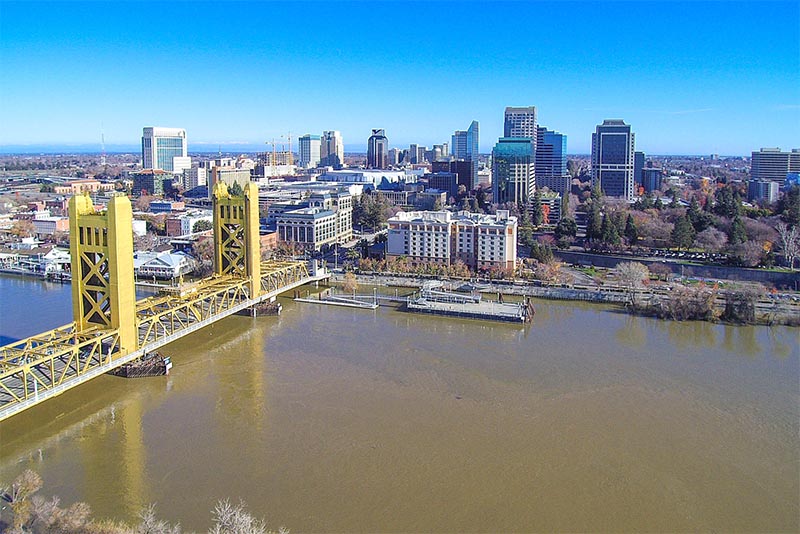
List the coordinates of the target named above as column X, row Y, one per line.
column 608, row 231
column 631, row 232
column 235, row 190
column 789, row 206
column 594, row 222
column 566, row 227
column 597, row 192
column 565, row 211
column 524, row 216
column 658, row 204
column 537, row 216
column 683, row 233
column 737, row 233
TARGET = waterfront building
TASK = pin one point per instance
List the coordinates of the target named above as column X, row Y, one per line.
column 513, row 170
column 613, row 146
column 331, row 150
column 482, row 242
column 773, row 164
column 162, row 265
column 551, row 161
column 377, row 149
column 165, row 149
column 310, row 151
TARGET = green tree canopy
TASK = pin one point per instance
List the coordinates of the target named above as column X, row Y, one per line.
column 683, row 233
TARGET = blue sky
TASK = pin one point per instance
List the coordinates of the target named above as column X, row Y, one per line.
column 691, row 77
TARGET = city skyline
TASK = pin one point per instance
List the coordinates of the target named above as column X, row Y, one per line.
column 691, row 78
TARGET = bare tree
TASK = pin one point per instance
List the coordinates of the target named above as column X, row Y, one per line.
column 790, row 242
column 711, row 240
column 631, row 274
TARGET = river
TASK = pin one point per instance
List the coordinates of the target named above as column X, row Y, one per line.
column 329, row 419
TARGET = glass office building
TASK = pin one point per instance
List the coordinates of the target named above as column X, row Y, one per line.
column 513, row 170
column 160, row 147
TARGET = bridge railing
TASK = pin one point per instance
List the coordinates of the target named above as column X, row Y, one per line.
column 48, row 360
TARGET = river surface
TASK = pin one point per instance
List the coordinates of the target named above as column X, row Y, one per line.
column 329, row 419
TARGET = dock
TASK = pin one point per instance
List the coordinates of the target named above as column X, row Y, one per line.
column 153, row 364
column 369, row 302
column 434, row 301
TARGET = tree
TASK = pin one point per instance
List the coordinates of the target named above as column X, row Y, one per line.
column 566, row 228
column 236, row 190
column 737, row 233
column 789, row 241
column 565, row 211
column 202, row 225
column 632, row 276
column 609, row 232
column 537, row 216
column 631, row 232
column 350, row 282
column 711, row 240
column 22, row 228
column 683, row 234
column 143, row 203
column 594, row 223
column 789, row 206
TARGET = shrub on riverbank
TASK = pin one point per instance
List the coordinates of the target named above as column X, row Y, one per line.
column 29, row 513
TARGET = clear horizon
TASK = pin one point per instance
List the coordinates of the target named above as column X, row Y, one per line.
column 692, row 78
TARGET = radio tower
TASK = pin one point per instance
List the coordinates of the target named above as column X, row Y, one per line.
column 103, row 149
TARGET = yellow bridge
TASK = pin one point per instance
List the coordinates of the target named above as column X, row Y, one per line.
column 110, row 328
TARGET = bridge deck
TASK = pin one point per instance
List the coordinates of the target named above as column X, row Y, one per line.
column 45, row 365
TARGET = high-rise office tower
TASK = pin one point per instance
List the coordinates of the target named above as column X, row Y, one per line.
column 551, row 161
column 413, row 154
column 520, row 122
column 377, row 149
column 331, row 150
column 465, row 145
column 513, row 165
column 310, row 151
column 395, row 155
column 773, row 165
column 613, row 145
column 638, row 168
column 165, row 149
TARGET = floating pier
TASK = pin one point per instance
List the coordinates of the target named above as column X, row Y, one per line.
column 434, row 301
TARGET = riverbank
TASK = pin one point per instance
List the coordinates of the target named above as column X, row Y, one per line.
column 650, row 301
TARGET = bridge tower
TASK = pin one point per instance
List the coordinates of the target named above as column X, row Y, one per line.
column 101, row 246
column 237, row 248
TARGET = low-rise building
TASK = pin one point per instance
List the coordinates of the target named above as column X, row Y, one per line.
column 325, row 219
column 151, row 181
column 161, row 265
column 482, row 242
column 75, row 187
column 51, row 225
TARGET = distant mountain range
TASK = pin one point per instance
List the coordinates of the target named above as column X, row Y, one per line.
column 198, row 148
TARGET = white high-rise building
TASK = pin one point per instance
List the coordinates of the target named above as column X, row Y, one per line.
column 520, row 122
column 165, row 149
column 331, row 150
column 310, row 151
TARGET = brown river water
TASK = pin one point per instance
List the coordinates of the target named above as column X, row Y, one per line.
column 329, row 419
